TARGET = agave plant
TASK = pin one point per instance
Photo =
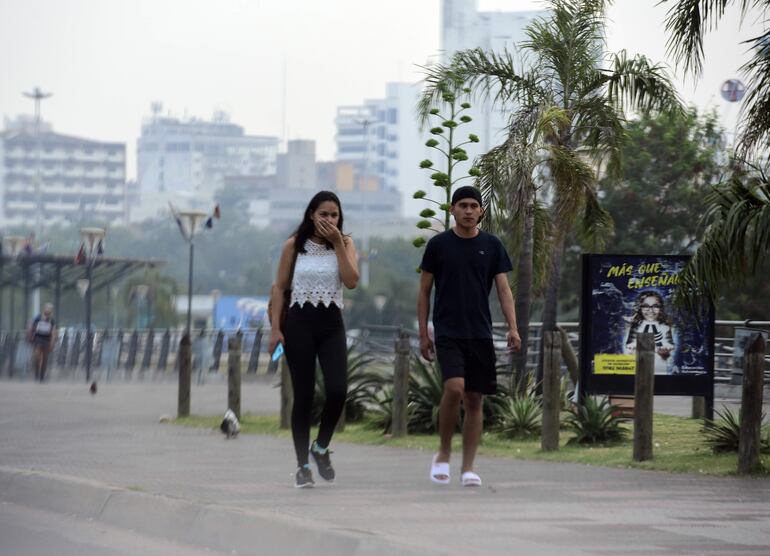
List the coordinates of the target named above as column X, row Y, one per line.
column 522, row 418
column 382, row 409
column 722, row 435
column 596, row 421
column 426, row 386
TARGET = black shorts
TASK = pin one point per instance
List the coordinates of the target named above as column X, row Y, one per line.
column 473, row 360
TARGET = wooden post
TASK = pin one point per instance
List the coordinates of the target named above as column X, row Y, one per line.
column 185, row 373
column 644, row 386
column 698, row 407
column 751, row 406
column 287, row 394
column 549, row 440
column 401, row 386
column 234, row 373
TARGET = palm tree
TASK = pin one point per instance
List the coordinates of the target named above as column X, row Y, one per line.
column 577, row 96
column 737, row 237
column 737, row 220
column 509, row 187
column 688, row 21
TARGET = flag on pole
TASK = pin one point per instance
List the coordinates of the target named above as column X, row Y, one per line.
column 80, row 258
column 179, row 223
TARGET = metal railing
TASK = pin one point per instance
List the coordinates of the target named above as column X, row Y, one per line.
column 137, row 354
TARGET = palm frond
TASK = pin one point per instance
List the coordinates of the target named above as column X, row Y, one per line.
column 637, row 84
column 568, row 42
column 755, row 123
column 736, row 240
column 687, row 21
column 599, row 129
column 494, row 76
column 596, row 226
column 572, row 178
column 441, row 84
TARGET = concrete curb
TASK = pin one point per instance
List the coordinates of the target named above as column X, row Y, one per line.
column 220, row 528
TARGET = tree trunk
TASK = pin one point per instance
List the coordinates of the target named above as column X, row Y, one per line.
column 524, row 277
column 551, row 295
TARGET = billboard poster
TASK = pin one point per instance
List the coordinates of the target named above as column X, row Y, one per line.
column 625, row 295
column 234, row 311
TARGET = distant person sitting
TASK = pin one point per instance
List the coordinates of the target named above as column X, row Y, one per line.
column 42, row 335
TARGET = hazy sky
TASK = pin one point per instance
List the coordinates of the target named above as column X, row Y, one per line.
column 105, row 61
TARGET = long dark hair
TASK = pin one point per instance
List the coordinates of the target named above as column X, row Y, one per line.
column 306, row 227
column 663, row 318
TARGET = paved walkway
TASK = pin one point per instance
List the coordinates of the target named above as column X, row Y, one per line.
column 107, row 457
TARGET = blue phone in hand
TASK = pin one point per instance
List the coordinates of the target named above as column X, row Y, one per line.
column 278, row 352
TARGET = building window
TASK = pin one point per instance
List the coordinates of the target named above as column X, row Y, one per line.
column 350, row 131
column 392, row 116
column 352, row 148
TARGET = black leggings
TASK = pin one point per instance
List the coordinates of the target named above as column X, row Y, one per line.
column 312, row 332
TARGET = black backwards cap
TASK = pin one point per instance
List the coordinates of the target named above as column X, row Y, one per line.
column 466, row 192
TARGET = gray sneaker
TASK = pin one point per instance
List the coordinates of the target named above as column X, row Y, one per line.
column 323, row 462
column 304, row 477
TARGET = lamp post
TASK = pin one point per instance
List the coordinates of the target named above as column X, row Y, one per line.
column 93, row 238
column 362, row 185
column 192, row 218
column 14, row 243
column 38, row 95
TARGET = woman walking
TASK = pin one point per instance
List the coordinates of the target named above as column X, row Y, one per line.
column 315, row 262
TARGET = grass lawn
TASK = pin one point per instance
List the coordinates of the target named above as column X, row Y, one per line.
column 678, row 445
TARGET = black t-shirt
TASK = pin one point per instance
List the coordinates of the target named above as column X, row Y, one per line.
column 464, row 270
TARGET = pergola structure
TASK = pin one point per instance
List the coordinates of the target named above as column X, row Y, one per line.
column 59, row 273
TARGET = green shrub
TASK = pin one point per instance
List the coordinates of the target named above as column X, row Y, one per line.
column 426, row 386
column 521, row 418
column 596, row 421
column 382, row 409
column 722, row 435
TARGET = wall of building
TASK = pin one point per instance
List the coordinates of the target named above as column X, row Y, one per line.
column 79, row 179
column 195, row 156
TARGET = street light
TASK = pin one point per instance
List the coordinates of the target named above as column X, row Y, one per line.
column 93, row 237
column 38, row 95
column 191, row 218
column 15, row 244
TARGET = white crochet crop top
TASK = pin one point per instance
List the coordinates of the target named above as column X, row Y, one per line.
column 316, row 277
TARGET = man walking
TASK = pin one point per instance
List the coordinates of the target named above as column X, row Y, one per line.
column 464, row 262
column 42, row 335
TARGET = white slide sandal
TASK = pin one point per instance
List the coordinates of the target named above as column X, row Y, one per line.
column 471, row 479
column 438, row 469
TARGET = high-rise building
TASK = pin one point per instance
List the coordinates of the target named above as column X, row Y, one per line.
column 48, row 178
column 381, row 139
column 464, row 27
column 279, row 201
column 194, row 156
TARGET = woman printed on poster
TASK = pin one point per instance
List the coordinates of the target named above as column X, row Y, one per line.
column 650, row 316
